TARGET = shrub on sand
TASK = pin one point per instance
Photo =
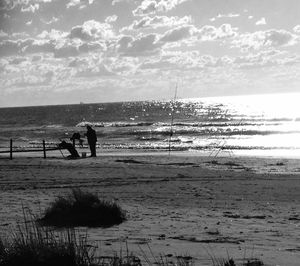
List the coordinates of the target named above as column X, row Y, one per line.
column 82, row 209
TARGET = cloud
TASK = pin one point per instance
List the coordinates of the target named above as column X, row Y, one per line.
column 178, row 34
column 112, row 18
column 53, row 35
column 297, row 29
column 6, row 16
column 262, row 21
column 77, row 62
column 220, row 16
column 67, row 50
column 123, row 65
column 120, row 1
column 13, row 47
column 91, row 30
column 261, row 59
column 19, row 35
column 279, row 38
column 79, row 3
column 230, row 15
column 158, row 22
column 31, row 80
column 211, row 33
column 3, row 34
column 99, row 70
column 17, row 60
column 30, row 8
column 51, row 21
column 39, row 46
column 80, row 40
column 261, row 39
column 267, row 58
column 153, row 6
column 141, row 46
column 26, row 5
column 186, row 61
column 90, row 47
column 36, row 58
column 174, row 60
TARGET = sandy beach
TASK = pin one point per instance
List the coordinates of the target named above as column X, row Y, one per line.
column 176, row 205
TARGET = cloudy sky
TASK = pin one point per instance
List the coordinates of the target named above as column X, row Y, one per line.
column 71, row 51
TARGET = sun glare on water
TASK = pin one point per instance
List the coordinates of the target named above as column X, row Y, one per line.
column 276, row 114
column 269, row 106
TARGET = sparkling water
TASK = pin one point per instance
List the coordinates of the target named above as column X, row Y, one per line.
column 250, row 125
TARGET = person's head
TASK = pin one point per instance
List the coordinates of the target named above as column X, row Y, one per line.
column 88, row 127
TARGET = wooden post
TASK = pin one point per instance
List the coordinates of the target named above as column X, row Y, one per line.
column 44, row 149
column 11, row 149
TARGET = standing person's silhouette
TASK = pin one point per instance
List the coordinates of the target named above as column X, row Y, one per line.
column 92, row 139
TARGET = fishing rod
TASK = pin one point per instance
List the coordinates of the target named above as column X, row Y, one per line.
column 172, row 117
column 221, row 147
column 60, row 149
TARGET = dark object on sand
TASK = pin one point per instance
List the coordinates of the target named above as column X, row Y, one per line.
column 92, row 140
column 76, row 136
column 70, row 148
column 83, row 209
column 253, row 262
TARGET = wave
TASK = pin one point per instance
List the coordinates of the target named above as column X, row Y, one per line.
column 147, row 138
column 114, row 124
column 180, row 147
column 178, row 124
column 86, row 123
column 54, row 126
column 204, row 132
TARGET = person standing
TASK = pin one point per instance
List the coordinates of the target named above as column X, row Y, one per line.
column 92, row 140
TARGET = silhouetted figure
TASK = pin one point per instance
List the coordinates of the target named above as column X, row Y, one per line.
column 76, row 136
column 70, row 148
column 92, row 139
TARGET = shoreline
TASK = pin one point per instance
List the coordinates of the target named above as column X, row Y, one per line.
column 278, row 154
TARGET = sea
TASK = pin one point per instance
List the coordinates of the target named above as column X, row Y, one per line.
column 250, row 125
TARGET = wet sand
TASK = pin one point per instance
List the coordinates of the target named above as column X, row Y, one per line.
column 176, row 205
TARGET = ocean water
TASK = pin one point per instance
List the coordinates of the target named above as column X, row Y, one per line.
column 250, row 125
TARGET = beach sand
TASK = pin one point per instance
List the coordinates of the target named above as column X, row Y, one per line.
column 176, row 205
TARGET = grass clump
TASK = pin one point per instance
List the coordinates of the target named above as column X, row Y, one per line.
column 37, row 246
column 82, row 209
column 33, row 245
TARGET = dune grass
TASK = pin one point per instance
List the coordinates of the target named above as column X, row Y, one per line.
column 81, row 208
column 39, row 246
column 42, row 246
column 33, row 245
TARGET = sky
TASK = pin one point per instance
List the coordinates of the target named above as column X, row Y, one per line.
column 72, row 51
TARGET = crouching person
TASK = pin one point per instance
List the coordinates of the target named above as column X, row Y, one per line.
column 70, row 148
